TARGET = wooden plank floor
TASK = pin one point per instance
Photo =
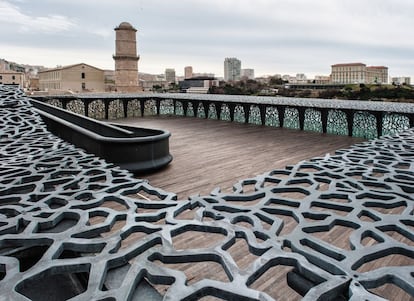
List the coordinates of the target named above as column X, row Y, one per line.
column 209, row 153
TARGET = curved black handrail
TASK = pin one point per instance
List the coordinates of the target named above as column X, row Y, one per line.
column 135, row 149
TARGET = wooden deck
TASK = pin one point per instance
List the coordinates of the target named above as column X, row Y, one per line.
column 209, row 154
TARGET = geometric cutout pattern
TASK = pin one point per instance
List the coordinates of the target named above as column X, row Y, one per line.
column 339, row 227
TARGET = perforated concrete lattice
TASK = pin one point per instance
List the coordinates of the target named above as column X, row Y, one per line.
column 73, row 226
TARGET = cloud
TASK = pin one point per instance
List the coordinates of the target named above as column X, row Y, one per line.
column 272, row 36
column 102, row 32
column 51, row 57
column 12, row 14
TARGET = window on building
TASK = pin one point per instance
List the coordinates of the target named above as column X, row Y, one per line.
column 83, row 86
column 13, row 77
column 1, row 77
column 83, row 74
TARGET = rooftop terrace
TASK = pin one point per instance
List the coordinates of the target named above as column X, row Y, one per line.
column 209, row 154
column 332, row 227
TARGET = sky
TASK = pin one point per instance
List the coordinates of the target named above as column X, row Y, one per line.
column 269, row 36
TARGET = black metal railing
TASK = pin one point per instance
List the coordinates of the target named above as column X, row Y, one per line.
column 367, row 119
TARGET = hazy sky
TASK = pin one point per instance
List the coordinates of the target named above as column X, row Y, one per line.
column 271, row 36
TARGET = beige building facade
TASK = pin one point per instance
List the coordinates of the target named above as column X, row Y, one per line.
column 353, row 73
column 9, row 77
column 74, row 78
column 188, row 72
column 358, row 73
column 322, row 79
column 126, row 59
column 377, row 75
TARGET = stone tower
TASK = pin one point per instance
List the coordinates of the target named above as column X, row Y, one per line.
column 126, row 59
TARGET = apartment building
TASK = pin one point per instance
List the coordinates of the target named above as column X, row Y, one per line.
column 151, row 82
column 170, row 75
column 322, row 79
column 301, row 78
column 377, row 75
column 76, row 78
column 247, row 73
column 188, row 72
column 403, row 80
column 358, row 73
column 353, row 73
column 232, row 69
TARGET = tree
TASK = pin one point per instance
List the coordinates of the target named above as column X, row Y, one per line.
column 276, row 81
column 157, row 88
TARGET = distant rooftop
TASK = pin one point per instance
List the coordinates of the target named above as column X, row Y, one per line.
column 348, row 64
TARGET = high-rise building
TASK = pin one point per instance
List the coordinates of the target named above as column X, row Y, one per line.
column 188, row 72
column 170, row 75
column 126, row 59
column 232, row 69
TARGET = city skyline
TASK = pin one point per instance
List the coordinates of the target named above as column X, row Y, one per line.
column 271, row 37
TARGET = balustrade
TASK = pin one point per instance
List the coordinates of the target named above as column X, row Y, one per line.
column 341, row 117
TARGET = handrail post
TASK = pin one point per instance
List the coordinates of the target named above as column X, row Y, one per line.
column 106, row 104
column 301, row 112
column 378, row 117
column 142, row 106
column 218, row 109
column 158, row 106
column 85, row 106
column 281, row 113
column 232, row 107
column 185, row 107
column 262, row 109
column 350, row 120
column 125, row 105
column 206, row 106
column 195, row 108
column 324, row 120
column 246, row 108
